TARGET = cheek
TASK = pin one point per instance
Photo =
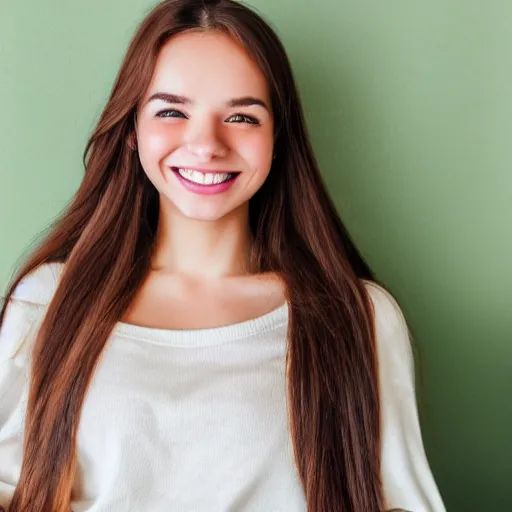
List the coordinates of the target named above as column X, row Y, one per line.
column 257, row 152
column 156, row 142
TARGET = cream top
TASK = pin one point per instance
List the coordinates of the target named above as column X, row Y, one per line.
column 195, row 420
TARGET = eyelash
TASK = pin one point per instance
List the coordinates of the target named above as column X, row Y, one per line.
column 248, row 119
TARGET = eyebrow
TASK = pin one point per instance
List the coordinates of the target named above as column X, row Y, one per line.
column 245, row 101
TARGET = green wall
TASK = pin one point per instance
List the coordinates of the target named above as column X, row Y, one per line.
column 410, row 109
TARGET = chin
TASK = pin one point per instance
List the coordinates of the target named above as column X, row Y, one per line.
column 202, row 214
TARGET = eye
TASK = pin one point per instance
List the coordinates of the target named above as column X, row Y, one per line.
column 240, row 118
column 170, row 113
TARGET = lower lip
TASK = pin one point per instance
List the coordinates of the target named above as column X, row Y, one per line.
column 216, row 188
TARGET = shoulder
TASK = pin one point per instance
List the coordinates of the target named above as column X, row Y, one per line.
column 25, row 310
column 38, row 286
column 393, row 339
column 388, row 314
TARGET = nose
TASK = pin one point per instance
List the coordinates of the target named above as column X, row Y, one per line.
column 203, row 140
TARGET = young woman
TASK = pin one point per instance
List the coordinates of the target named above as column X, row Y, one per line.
column 197, row 332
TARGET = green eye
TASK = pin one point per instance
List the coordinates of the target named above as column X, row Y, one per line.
column 239, row 118
column 170, row 113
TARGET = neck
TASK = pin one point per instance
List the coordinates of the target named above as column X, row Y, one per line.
column 203, row 249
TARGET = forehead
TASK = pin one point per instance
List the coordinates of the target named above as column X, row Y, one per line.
column 207, row 65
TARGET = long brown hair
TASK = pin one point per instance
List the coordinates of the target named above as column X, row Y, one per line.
column 106, row 237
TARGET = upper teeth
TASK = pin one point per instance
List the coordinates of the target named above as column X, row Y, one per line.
column 203, row 178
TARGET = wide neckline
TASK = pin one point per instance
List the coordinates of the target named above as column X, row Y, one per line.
column 205, row 336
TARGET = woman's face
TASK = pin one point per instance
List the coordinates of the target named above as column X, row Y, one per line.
column 206, row 115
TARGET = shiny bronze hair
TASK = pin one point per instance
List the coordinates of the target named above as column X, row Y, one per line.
column 106, row 236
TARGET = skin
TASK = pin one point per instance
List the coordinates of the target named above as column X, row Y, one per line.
column 210, row 69
column 200, row 275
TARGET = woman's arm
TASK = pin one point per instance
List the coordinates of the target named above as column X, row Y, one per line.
column 406, row 475
column 18, row 328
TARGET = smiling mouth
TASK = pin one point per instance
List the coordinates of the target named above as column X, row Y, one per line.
column 203, row 177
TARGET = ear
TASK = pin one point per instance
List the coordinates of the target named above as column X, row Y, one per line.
column 132, row 141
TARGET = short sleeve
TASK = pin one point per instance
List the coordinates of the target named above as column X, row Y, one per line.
column 406, row 475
